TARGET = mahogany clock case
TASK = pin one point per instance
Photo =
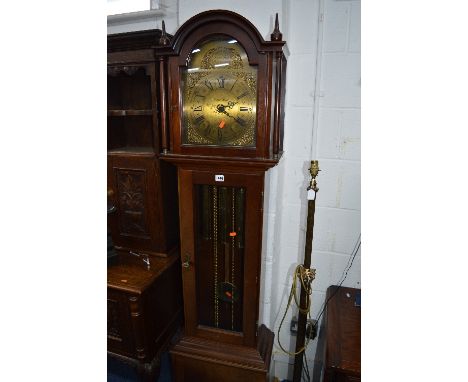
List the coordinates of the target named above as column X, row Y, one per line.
column 268, row 58
column 237, row 320
column 221, row 187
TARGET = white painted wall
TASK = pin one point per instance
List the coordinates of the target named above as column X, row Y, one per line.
column 168, row 10
column 326, row 127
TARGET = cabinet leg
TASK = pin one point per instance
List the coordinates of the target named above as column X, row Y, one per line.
column 148, row 372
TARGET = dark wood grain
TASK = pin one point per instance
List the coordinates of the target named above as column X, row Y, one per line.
column 149, row 221
column 343, row 336
column 277, row 114
column 282, row 101
column 195, row 359
column 260, row 53
column 210, row 352
column 123, row 113
column 136, row 222
column 163, row 95
column 144, row 309
column 229, row 163
column 144, row 303
column 132, row 275
column 130, row 41
column 265, row 344
column 253, row 184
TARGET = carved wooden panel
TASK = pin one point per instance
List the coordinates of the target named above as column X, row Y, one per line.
column 114, row 71
column 119, row 338
column 131, row 186
column 144, row 218
column 113, row 322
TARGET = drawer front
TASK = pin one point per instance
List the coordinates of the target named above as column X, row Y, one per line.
column 332, row 375
column 119, row 334
column 350, row 378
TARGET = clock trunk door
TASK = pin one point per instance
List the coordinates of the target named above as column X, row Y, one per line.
column 221, row 263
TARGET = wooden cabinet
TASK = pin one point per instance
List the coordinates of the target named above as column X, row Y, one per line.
column 144, row 196
column 342, row 329
column 142, row 190
column 144, row 309
column 144, row 305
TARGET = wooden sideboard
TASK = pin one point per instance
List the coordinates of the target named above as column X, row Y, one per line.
column 342, row 324
column 144, row 310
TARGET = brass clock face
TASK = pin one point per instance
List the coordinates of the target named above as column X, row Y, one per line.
column 219, row 92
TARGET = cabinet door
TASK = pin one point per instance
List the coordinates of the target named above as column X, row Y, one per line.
column 221, row 233
column 119, row 332
column 133, row 191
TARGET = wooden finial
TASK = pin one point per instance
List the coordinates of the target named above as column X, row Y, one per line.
column 163, row 40
column 276, row 35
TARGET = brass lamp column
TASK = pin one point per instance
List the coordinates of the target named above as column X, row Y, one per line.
column 301, row 329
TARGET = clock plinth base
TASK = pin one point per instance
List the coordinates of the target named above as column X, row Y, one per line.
column 196, row 359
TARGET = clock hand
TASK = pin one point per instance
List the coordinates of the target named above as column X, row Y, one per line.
column 221, row 109
column 229, row 115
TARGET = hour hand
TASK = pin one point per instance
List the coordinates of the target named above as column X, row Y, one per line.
column 222, row 109
column 231, row 104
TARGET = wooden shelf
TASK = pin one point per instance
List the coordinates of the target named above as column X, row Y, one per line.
column 131, row 112
column 132, row 150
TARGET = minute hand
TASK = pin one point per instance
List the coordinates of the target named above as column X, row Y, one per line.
column 240, row 121
column 229, row 115
column 222, row 109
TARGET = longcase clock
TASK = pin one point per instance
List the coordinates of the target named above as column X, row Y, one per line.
column 224, row 130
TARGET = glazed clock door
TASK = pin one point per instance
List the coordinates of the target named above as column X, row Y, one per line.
column 217, row 91
column 220, row 256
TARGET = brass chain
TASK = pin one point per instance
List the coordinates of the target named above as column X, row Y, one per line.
column 215, row 252
column 233, row 240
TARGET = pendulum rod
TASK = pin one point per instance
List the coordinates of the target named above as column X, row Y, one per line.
column 215, row 252
column 233, row 244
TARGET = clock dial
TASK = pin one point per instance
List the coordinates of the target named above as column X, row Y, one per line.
column 219, row 96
